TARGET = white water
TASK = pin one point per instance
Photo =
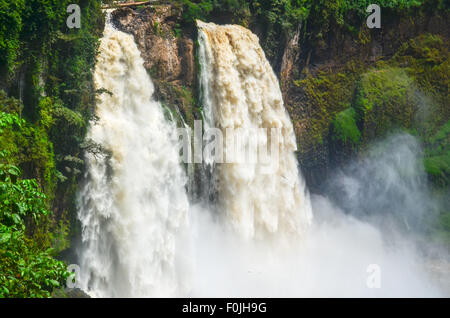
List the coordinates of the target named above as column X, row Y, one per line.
column 134, row 206
column 134, row 202
column 241, row 91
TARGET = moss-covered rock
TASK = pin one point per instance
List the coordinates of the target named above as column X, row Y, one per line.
column 407, row 89
column 437, row 160
column 426, row 59
column 385, row 101
column 28, row 146
column 179, row 100
column 345, row 128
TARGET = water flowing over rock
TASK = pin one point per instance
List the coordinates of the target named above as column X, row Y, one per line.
column 241, row 91
column 134, row 201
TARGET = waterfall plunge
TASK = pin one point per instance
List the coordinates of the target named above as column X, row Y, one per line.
column 134, row 202
column 134, row 206
column 241, row 91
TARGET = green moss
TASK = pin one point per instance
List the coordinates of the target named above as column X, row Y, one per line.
column 29, row 148
column 327, row 94
column 384, row 100
column 11, row 21
column 179, row 100
column 344, row 126
column 437, row 152
column 426, row 59
column 438, row 166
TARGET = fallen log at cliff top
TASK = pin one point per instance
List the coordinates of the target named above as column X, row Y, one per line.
column 129, row 4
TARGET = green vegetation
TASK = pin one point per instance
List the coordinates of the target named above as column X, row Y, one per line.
column 30, row 234
column 11, row 22
column 384, row 101
column 344, row 126
column 426, row 58
column 181, row 98
column 327, row 94
column 437, row 151
column 427, row 61
column 47, row 97
column 408, row 91
column 27, row 268
column 276, row 20
column 287, row 14
column 27, row 146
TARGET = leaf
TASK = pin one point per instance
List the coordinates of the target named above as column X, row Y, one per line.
column 22, row 207
column 4, row 237
column 16, row 218
column 14, row 171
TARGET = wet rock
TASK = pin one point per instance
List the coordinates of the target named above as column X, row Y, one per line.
column 168, row 55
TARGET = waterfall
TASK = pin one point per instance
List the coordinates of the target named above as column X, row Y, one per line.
column 138, row 239
column 240, row 91
column 134, row 203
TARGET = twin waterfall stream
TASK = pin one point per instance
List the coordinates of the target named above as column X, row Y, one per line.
column 134, row 201
column 144, row 236
column 241, row 91
column 134, row 206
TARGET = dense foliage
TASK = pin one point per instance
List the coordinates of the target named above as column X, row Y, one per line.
column 27, row 268
column 46, row 99
column 276, row 20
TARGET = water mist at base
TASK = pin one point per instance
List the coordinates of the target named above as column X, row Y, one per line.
column 341, row 245
column 337, row 253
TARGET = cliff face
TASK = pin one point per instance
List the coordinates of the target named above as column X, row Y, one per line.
column 321, row 76
column 168, row 53
column 168, row 56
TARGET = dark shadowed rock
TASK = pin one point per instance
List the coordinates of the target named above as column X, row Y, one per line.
column 70, row 293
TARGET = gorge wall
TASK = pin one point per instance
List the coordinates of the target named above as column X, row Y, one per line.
column 168, row 56
column 322, row 67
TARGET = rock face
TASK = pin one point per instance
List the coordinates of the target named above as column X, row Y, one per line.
column 319, row 78
column 319, row 73
column 167, row 56
column 70, row 293
column 168, row 53
column 290, row 57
